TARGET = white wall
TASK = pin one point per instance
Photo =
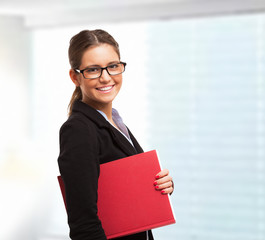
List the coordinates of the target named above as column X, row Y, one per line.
column 23, row 176
column 14, row 64
column 15, row 173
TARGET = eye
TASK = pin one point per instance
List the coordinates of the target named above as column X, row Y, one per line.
column 92, row 70
column 113, row 66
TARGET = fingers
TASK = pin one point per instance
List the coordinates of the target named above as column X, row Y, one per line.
column 167, row 190
column 164, row 182
column 163, row 173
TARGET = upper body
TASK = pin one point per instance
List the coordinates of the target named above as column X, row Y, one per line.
column 79, row 165
column 87, row 138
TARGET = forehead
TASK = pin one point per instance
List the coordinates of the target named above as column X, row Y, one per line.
column 99, row 55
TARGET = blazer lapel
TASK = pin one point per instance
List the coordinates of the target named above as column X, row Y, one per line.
column 118, row 138
column 122, row 142
column 135, row 143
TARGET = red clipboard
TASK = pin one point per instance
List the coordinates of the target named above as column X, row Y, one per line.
column 127, row 200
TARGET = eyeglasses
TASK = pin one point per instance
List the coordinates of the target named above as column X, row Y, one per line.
column 96, row 72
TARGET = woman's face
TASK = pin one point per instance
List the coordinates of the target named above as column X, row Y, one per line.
column 99, row 92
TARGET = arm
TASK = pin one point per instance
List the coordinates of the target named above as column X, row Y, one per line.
column 79, row 168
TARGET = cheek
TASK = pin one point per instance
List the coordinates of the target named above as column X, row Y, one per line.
column 86, row 88
column 119, row 83
column 87, row 84
column 119, row 80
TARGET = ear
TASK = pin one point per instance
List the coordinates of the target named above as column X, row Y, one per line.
column 74, row 77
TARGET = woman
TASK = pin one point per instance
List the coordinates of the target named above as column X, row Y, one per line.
column 94, row 132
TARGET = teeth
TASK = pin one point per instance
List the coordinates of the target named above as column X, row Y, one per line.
column 105, row 88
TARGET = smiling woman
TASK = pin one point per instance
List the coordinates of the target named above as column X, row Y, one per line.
column 95, row 133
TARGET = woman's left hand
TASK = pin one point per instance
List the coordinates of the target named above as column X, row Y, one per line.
column 164, row 182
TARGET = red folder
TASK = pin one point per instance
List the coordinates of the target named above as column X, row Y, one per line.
column 127, row 200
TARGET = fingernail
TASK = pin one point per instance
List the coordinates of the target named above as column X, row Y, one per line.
column 163, row 191
column 157, row 176
column 157, row 186
column 155, row 182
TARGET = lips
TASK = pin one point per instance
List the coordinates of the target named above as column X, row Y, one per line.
column 105, row 89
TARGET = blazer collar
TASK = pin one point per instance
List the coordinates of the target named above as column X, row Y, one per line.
column 90, row 113
column 101, row 122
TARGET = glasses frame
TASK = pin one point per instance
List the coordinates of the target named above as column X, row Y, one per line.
column 102, row 68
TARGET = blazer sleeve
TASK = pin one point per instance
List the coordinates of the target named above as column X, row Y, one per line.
column 79, row 168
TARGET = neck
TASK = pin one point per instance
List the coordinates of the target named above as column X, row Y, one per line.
column 107, row 111
column 106, row 108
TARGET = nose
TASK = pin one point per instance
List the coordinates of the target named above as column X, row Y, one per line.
column 105, row 77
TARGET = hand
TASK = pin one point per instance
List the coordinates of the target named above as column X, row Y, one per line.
column 164, row 182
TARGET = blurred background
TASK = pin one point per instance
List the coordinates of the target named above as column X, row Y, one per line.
column 194, row 89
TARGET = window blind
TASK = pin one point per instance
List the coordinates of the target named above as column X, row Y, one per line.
column 206, row 117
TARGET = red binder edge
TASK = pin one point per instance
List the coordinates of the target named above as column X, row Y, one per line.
column 61, row 184
column 169, row 198
column 142, row 229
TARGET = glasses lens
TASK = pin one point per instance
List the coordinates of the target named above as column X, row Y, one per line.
column 92, row 72
column 116, row 68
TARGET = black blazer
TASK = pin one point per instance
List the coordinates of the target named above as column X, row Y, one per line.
column 86, row 141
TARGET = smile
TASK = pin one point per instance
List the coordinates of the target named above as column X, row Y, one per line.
column 105, row 89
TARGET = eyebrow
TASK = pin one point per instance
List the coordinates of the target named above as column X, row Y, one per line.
column 95, row 65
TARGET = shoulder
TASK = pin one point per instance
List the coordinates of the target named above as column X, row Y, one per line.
column 78, row 125
column 78, row 120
